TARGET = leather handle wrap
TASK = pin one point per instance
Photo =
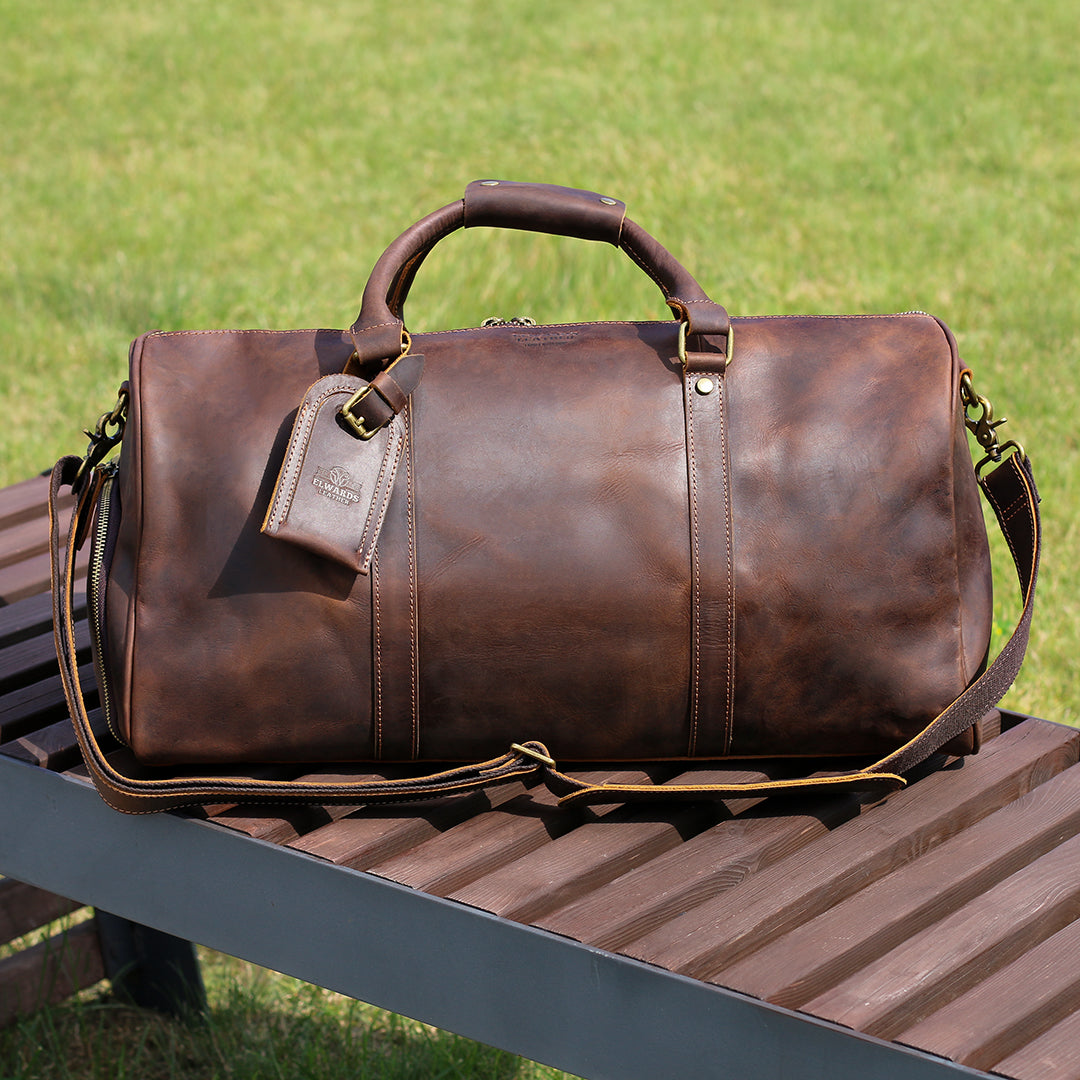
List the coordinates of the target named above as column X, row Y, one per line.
column 534, row 207
column 544, row 208
column 1010, row 488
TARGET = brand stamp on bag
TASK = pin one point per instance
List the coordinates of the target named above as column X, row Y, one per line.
column 541, row 337
column 334, row 484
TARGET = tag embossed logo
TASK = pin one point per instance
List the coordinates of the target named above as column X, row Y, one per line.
column 334, row 484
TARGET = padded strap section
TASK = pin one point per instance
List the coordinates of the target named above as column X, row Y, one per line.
column 546, row 208
column 1010, row 489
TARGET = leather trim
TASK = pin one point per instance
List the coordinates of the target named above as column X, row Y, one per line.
column 395, row 621
column 712, row 658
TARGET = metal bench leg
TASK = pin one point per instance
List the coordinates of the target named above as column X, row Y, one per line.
column 151, row 969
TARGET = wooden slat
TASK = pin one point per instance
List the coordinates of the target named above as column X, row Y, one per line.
column 374, row 834
column 1054, row 1055
column 1008, row 1010
column 486, row 843
column 24, row 908
column 50, row 972
column 23, row 541
column 26, row 500
column 52, row 747
column 817, row 955
column 723, row 929
column 717, row 859
column 35, row 658
column 39, row 703
column 944, row 960
column 33, row 575
column 615, row 842
column 32, row 617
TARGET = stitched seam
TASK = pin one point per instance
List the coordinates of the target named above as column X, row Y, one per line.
column 630, row 250
column 377, row 326
column 729, row 705
column 377, row 674
column 695, row 572
column 310, row 412
column 1010, row 511
column 413, row 614
column 379, row 500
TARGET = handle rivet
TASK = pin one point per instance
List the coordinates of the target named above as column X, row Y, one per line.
column 489, row 183
column 704, row 386
column 608, row 202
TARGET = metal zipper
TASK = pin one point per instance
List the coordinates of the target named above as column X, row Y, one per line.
column 95, row 594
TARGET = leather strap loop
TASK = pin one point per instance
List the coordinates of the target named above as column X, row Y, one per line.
column 538, row 208
column 1010, row 490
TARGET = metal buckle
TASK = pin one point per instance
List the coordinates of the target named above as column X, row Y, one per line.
column 356, row 423
column 682, row 344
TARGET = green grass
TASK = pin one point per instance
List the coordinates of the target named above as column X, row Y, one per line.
column 227, row 163
column 260, row 1026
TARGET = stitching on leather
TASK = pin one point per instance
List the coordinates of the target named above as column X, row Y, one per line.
column 383, row 488
column 377, row 326
column 376, row 718
column 414, row 628
column 628, row 246
column 309, row 413
column 1004, row 514
column 695, row 571
column 729, row 705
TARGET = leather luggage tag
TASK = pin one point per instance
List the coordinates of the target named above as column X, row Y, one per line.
column 333, row 489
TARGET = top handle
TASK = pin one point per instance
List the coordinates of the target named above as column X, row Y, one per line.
column 377, row 332
column 561, row 211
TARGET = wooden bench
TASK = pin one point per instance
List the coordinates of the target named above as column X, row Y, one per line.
column 932, row 934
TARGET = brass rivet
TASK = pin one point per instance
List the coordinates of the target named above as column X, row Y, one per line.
column 489, row 183
column 704, row 386
column 608, row 202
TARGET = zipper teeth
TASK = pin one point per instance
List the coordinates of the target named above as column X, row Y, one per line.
column 94, row 589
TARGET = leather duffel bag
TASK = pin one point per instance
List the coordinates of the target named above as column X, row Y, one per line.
column 700, row 538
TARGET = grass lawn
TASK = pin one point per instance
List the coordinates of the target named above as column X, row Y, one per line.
column 226, row 164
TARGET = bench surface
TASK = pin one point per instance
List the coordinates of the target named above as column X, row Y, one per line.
column 933, row 933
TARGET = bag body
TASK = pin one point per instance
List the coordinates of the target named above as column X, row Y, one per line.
column 697, row 538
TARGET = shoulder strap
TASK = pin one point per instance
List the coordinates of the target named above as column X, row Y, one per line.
column 1010, row 489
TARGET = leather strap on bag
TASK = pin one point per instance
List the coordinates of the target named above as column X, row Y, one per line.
column 1010, row 489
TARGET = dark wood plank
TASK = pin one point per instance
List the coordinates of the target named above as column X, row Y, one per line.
column 32, row 617
column 27, row 500
column 943, row 961
column 808, row 960
column 24, row 908
column 617, row 841
column 725, row 928
column 1008, row 1010
column 1054, row 1055
column 31, row 576
column 694, row 872
column 35, row 658
column 23, row 541
column 54, row 746
column 49, row 972
column 374, row 834
column 486, row 842
column 27, row 708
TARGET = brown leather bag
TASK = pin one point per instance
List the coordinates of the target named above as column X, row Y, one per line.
column 698, row 538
